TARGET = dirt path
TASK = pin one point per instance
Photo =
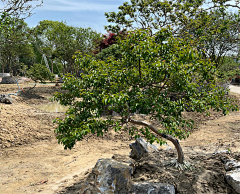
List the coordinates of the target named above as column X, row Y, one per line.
column 234, row 89
column 45, row 166
column 31, row 161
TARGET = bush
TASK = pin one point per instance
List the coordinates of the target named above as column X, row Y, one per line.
column 40, row 73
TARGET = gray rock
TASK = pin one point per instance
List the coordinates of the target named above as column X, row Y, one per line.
column 233, row 179
column 115, row 114
column 108, row 177
column 5, row 99
column 4, row 74
column 152, row 188
column 140, row 147
column 125, row 160
column 8, row 80
column 231, row 165
column 222, row 152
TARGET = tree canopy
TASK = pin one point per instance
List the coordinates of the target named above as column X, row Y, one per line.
column 210, row 23
column 60, row 42
column 158, row 75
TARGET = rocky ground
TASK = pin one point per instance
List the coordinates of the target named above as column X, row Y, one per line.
column 31, row 160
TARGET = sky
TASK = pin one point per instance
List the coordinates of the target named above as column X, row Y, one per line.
column 77, row 13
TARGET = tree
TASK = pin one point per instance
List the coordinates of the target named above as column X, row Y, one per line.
column 158, row 75
column 19, row 8
column 229, row 69
column 13, row 13
column 38, row 72
column 60, row 42
column 215, row 33
column 106, row 47
column 14, row 33
column 210, row 24
column 15, row 44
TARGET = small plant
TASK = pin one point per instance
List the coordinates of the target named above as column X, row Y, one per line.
column 40, row 73
column 229, row 150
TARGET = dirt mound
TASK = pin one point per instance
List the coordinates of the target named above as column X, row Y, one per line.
column 21, row 123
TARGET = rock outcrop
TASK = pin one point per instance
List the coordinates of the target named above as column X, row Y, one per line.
column 140, row 147
column 152, row 188
column 114, row 177
column 233, row 173
column 233, row 179
column 5, row 99
column 108, row 177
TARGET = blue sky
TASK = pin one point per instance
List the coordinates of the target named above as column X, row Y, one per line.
column 78, row 13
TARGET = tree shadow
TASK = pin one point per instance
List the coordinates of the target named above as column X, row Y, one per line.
column 30, row 95
column 73, row 189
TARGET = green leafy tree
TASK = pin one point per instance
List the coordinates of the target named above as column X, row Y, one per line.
column 39, row 72
column 15, row 44
column 229, row 69
column 158, row 75
column 208, row 24
column 60, row 42
column 111, row 51
column 13, row 11
column 216, row 33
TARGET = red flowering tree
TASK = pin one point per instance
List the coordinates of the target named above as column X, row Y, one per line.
column 108, row 40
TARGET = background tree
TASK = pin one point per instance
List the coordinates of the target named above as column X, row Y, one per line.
column 15, row 44
column 60, row 42
column 106, row 47
column 39, row 72
column 216, row 33
column 229, row 69
column 13, row 31
column 19, row 8
column 158, row 75
column 210, row 24
column 13, row 11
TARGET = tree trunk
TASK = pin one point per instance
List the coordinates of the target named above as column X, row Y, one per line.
column 168, row 137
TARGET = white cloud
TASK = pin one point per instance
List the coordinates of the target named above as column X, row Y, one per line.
column 73, row 5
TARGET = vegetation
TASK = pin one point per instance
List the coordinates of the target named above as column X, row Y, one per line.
column 158, row 75
column 59, row 42
column 40, row 73
column 159, row 58
column 15, row 45
column 229, row 69
column 209, row 25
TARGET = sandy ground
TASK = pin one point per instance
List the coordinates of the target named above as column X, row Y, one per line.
column 32, row 161
column 234, row 89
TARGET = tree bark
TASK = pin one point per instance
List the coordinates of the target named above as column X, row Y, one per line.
column 168, row 137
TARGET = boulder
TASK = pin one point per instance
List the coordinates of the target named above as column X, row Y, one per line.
column 5, row 99
column 233, row 179
column 4, row 74
column 125, row 159
column 222, row 152
column 108, row 176
column 231, row 165
column 152, row 188
column 140, row 147
column 8, row 80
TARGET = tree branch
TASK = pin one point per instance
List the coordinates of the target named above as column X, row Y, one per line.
column 168, row 137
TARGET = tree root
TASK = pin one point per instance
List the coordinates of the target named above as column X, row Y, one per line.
column 184, row 166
